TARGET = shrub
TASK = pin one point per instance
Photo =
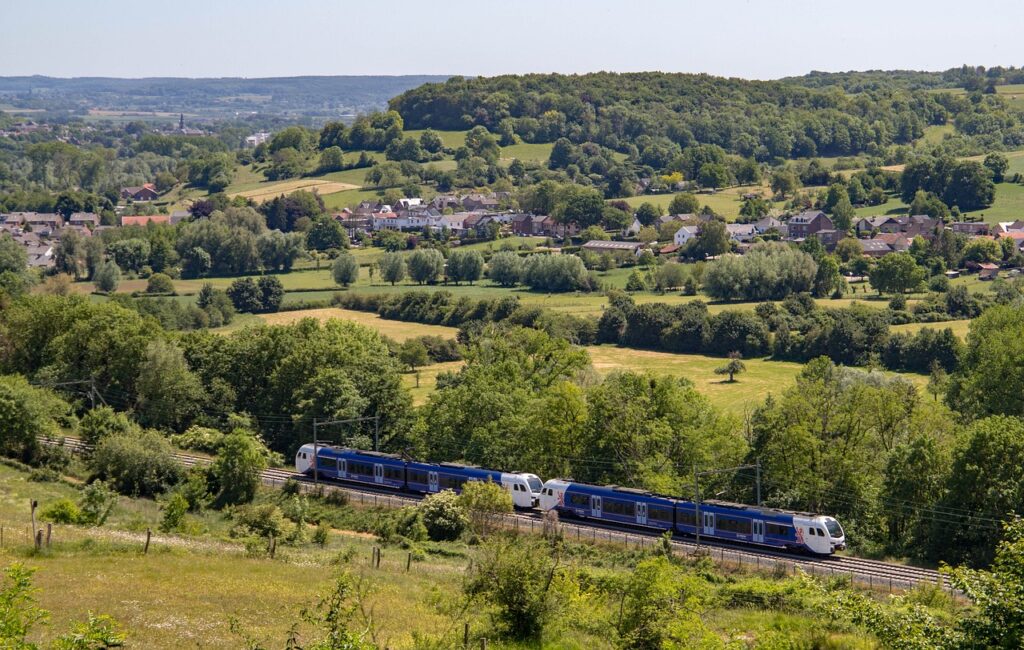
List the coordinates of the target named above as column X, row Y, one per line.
column 174, row 509
column 938, row 283
column 97, row 503
column 139, row 464
column 321, row 534
column 62, row 511
column 263, row 520
column 238, row 466
column 160, row 283
column 199, row 439
column 101, row 422
column 443, row 516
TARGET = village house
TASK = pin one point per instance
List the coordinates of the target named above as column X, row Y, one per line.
column 1011, row 226
column 764, row 224
column 474, row 202
column 85, row 219
column 532, row 224
column 868, row 225
column 874, row 247
column 971, row 228
column 896, row 241
column 829, row 237
column 808, row 223
column 145, row 192
column 685, row 234
column 741, row 232
column 256, row 139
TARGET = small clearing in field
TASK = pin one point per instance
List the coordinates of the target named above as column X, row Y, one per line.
column 394, row 329
column 261, row 194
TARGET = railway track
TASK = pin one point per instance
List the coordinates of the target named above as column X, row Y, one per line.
column 872, row 573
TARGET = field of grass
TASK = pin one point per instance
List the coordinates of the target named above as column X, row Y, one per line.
column 398, row 330
column 725, row 202
column 959, row 327
column 270, row 190
column 747, row 392
column 539, row 152
column 427, row 380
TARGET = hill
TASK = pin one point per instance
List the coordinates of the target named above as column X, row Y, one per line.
column 316, row 97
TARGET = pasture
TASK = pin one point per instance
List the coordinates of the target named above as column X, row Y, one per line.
column 397, row 330
column 270, row 190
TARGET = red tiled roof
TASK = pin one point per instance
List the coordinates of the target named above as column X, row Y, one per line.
column 143, row 220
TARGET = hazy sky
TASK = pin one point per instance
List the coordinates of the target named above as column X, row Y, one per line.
column 263, row 38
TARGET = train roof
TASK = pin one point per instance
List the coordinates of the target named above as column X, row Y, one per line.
column 743, row 506
column 622, row 490
column 349, row 450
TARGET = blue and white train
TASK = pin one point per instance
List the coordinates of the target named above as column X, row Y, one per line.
column 391, row 471
column 721, row 520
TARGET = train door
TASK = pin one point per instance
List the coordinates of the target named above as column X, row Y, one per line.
column 342, row 468
column 758, row 531
column 432, row 483
column 378, row 473
column 595, row 506
column 641, row 514
column 709, row 523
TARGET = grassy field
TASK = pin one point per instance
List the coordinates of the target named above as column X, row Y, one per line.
column 398, row 330
column 725, row 202
column 427, row 380
column 749, row 391
column 959, row 327
column 270, row 190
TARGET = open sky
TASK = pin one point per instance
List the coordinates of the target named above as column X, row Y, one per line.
column 262, row 38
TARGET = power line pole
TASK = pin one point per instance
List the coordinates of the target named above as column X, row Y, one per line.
column 696, row 489
column 696, row 500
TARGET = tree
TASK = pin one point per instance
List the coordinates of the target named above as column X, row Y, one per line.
column 584, row 207
column 684, row 203
column 929, row 204
column 465, row 265
column 990, row 377
column 516, row 577
column 426, row 265
column 484, row 502
column 982, row 250
column 997, row 163
column 159, row 283
column 102, row 421
column 345, row 269
column 12, row 255
column 712, row 239
column 713, row 175
column 326, row 234
column 413, row 353
column 331, row 160
column 26, row 414
column 443, row 516
column 784, row 182
column 392, row 267
column 985, row 482
column 271, row 293
column 107, row 277
column 827, row 280
column 896, row 273
column 138, row 464
column 505, row 268
column 238, row 467
column 733, row 367
column 647, row 213
column 169, row 394
column 843, row 214
column 431, row 142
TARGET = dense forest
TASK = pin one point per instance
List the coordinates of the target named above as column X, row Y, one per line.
column 759, row 119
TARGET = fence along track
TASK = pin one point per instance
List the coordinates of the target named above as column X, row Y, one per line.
column 871, row 573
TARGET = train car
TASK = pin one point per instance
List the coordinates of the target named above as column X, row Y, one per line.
column 721, row 520
column 389, row 470
column 608, row 503
column 427, row 478
column 783, row 529
column 368, row 467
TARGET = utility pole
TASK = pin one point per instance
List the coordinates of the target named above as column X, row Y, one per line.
column 696, row 500
column 696, row 488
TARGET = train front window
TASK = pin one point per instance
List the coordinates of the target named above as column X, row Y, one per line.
column 834, row 528
column 535, row 484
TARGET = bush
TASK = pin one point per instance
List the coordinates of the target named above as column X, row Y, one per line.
column 104, row 421
column 443, row 516
column 139, row 464
column 97, row 503
column 174, row 509
column 199, row 438
column 938, row 283
column 160, row 283
column 263, row 520
column 62, row 511
column 238, row 466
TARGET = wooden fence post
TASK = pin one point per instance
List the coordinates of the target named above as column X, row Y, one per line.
column 33, row 504
column 49, row 532
column 273, row 547
column 465, row 636
column 149, row 533
column 39, row 539
column 408, row 562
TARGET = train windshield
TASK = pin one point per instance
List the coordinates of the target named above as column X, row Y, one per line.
column 833, row 528
column 535, row 484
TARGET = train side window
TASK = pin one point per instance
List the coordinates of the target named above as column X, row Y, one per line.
column 821, row 532
column 811, row 530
